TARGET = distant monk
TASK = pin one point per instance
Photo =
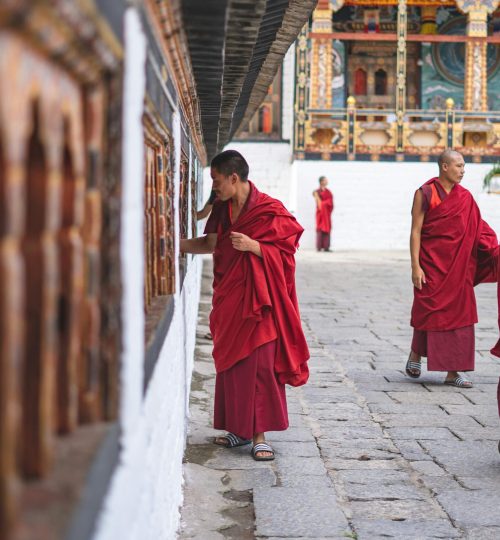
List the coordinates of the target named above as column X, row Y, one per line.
column 452, row 249
column 324, row 209
column 259, row 345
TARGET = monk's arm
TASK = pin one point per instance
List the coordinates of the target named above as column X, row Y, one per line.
column 317, row 199
column 200, row 245
column 417, row 220
column 205, row 211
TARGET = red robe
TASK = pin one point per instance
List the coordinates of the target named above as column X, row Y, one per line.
column 324, row 214
column 458, row 250
column 254, row 299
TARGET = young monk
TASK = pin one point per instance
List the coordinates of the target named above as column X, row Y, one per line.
column 452, row 249
column 324, row 208
column 259, row 345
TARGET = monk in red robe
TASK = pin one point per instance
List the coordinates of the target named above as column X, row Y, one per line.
column 324, row 209
column 452, row 249
column 259, row 345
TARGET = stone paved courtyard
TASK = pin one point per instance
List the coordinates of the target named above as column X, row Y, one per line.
column 370, row 453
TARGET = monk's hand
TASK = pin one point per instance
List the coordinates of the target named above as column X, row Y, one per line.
column 418, row 277
column 242, row 242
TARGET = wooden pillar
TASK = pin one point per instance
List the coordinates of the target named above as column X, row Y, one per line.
column 476, row 85
column 401, row 74
column 71, row 263
column 476, row 79
column 351, row 127
column 88, row 390
column 40, row 250
column 301, row 97
column 321, row 58
column 450, row 122
column 11, row 327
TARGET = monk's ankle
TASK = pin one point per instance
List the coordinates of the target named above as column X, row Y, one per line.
column 414, row 357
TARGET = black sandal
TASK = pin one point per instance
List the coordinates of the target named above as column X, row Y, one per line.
column 459, row 382
column 412, row 367
column 232, row 440
column 262, row 447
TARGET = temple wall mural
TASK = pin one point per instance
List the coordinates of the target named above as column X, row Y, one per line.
column 398, row 80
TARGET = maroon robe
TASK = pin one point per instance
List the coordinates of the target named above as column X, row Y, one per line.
column 259, row 344
column 324, row 219
column 324, row 214
column 458, row 250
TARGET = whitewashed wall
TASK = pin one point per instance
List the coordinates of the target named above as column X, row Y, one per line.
column 146, row 490
column 373, row 200
column 270, row 167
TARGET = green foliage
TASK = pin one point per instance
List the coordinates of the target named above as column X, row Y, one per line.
column 494, row 171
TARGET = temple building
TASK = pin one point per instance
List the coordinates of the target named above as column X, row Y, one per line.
column 108, row 113
column 399, row 80
column 391, row 81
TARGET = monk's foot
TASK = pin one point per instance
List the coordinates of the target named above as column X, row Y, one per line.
column 455, row 379
column 230, row 440
column 413, row 366
column 262, row 452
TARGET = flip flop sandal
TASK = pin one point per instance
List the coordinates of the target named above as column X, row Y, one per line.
column 459, row 382
column 413, row 366
column 232, row 441
column 262, row 447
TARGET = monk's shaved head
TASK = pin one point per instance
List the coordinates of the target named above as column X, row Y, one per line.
column 447, row 157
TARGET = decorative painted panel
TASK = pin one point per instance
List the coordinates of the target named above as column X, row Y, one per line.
column 51, row 145
column 338, row 75
column 158, row 214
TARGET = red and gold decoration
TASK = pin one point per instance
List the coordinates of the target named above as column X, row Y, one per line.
column 413, row 83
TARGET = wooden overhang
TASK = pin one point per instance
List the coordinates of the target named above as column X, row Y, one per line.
column 236, row 48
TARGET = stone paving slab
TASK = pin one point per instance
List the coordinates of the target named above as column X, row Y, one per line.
column 472, row 508
column 370, row 453
column 303, row 512
column 407, row 530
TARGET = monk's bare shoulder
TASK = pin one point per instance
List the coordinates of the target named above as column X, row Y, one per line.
column 418, row 200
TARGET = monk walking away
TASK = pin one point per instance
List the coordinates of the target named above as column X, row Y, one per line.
column 259, row 345
column 324, row 208
column 452, row 249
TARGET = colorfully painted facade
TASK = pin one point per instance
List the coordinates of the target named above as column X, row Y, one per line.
column 398, row 80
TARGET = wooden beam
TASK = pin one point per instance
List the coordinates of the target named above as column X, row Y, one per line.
column 423, row 38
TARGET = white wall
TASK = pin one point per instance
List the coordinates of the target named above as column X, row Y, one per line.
column 270, row 166
column 373, row 200
column 146, row 489
column 146, row 492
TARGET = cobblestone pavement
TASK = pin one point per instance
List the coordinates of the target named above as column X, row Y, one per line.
column 370, row 453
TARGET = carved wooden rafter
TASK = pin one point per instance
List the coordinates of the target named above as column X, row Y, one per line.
column 166, row 20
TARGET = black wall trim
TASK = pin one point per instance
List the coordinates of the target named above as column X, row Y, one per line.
column 114, row 12
column 84, row 521
column 156, row 343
